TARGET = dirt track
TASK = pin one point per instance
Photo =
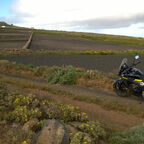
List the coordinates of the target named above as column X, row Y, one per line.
column 103, row 63
column 53, row 42
column 109, row 118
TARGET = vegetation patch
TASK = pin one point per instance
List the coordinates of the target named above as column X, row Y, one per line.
column 69, row 75
column 18, row 108
column 27, row 52
column 131, row 136
column 63, row 75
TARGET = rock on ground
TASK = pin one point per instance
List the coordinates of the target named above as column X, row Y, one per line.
column 53, row 132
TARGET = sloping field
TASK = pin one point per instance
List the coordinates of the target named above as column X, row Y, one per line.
column 13, row 38
column 67, row 43
column 14, row 30
column 12, row 45
column 105, row 63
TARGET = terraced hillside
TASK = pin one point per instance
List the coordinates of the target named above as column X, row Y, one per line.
column 13, row 38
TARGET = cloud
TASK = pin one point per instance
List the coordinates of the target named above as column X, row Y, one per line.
column 86, row 15
column 109, row 22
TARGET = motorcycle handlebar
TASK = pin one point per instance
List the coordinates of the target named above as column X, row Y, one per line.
column 134, row 64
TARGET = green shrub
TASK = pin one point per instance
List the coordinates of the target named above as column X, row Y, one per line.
column 134, row 135
column 63, row 75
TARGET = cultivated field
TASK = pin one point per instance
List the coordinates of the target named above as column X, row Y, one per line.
column 67, row 76
column 104, row 63
column 67, row 43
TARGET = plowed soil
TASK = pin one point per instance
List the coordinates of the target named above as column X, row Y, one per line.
column 12, row 44
column 53, row 42
column 103, row 63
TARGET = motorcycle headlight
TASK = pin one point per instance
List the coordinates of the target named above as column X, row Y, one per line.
column 141, row 83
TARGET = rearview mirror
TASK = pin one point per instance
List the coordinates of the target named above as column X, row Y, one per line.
column 137, row 57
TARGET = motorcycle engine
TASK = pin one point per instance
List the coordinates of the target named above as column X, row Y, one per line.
column 136, row 88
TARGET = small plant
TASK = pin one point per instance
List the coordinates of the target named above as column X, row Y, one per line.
column 94, row 129
column 81, row 138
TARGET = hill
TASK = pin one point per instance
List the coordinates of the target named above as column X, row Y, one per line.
column 3, row 23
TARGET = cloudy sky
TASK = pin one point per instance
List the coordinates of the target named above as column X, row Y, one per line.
column 120, row 17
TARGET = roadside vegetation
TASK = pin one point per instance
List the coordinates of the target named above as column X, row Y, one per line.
column 20, row 52
column 131, row 136
column 66, row 75
column 60, row 75
column 106, row 104
column 19, row 109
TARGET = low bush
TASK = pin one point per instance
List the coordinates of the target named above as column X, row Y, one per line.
column 134, row 135
column 94, row 129
column 23, row 108
column 81, row 138
column 63, row 75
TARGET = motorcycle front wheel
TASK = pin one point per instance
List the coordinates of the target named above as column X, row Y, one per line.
column 120, row 89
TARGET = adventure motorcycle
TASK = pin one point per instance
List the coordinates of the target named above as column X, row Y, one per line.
column 131, row 81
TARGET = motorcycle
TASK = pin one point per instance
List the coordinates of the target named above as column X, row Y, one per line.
column 131, row 81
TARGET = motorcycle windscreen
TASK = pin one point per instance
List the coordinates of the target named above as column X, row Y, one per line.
column 124, row 61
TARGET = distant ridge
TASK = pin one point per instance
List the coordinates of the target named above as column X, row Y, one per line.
column 3, row 23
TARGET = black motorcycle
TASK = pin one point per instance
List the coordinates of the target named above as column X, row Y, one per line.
column 131, row 81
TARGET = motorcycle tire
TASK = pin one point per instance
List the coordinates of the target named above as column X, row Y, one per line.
column 120, row 89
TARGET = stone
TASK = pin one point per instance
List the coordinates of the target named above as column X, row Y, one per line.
column 53, row 132
column 30, row 124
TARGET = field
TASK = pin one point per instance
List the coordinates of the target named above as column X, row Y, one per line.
column 72, row 73
column 108, row 63
column 67, row 43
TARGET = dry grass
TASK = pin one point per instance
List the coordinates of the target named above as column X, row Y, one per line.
column 105, row 83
